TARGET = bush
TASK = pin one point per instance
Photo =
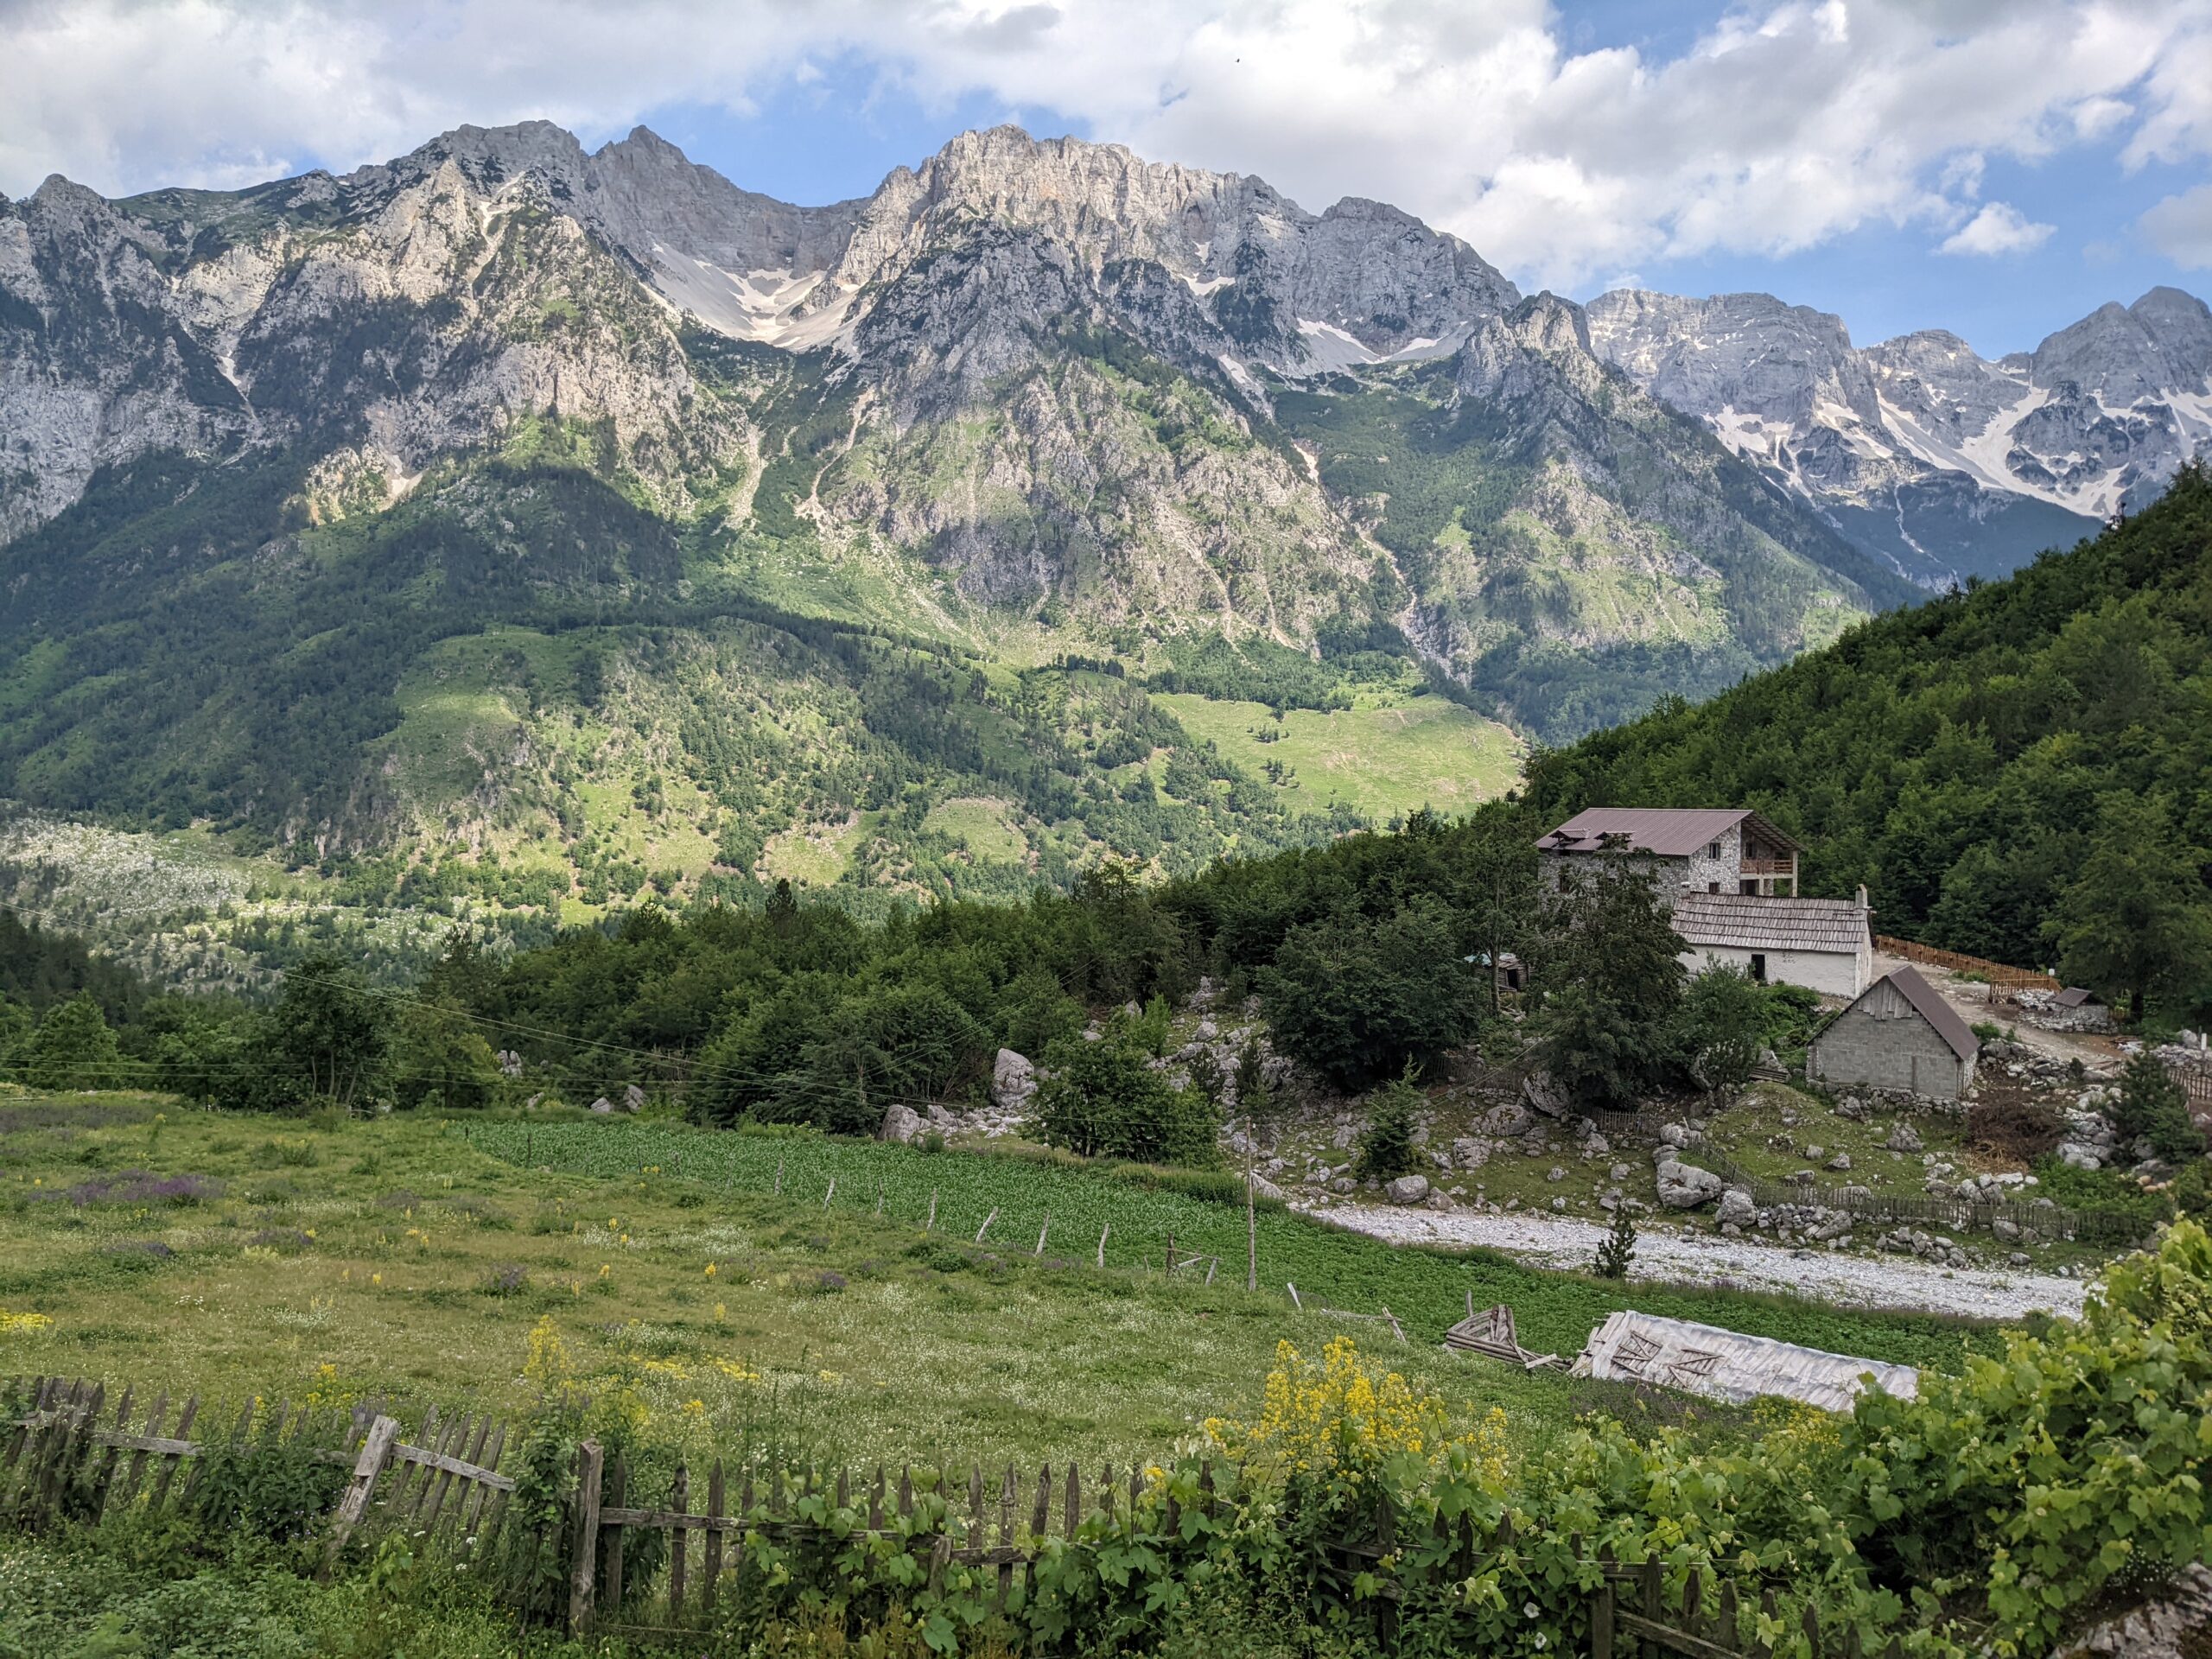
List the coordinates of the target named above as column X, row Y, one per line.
column 1617, row 1249
column 1721, row 1028
column 2153, row 1108
column 1104, row 1099
column 1356, row 997
column 1387, row 1149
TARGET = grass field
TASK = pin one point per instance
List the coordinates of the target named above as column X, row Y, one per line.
column 405, row 1258
column 1381, row 757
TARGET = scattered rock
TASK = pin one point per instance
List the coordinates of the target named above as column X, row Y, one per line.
column 1841, row 1161
column 1408, row 1189
column 1685, row 1186
column 634, row 1099
column 1470, row 1153
column 1673, row 1135
column 902, row 1124
column 1904, row 1138
column 602, row 1105
column 2171, row 1626
column 1735, row 1209
column 1555, row 1173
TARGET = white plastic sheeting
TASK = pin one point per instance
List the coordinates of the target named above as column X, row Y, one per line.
column 1633, row 1347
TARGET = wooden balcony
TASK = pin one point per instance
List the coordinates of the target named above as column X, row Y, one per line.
column 1768, row 867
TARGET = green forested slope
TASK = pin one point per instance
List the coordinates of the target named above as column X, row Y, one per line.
column 2019, row 770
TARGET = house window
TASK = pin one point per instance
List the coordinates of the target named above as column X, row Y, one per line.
column 1713, row 849
column 1713, row 886
column 1758, row 966
column 1748, row 884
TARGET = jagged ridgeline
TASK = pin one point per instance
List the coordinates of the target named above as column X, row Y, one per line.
column 514, row 521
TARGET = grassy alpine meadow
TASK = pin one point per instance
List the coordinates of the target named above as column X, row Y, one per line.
column 143, row 1242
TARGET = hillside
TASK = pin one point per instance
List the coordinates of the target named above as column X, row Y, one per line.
column 2004, row 768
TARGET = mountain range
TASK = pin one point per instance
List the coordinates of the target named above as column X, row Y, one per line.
column 508, row 518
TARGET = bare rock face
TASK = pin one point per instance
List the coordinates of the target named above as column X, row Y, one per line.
column 1014, row 1081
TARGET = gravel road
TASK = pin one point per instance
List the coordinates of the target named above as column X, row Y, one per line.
column 1709, row 1259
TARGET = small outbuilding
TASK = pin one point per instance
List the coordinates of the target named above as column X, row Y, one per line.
column 1898, row 1035
column 1824, row 944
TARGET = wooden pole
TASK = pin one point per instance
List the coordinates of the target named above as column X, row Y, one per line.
column 930, row 1226
column 831, row 1193
column 589, row 1459
column 1102, row 1231
column 1251, row 1220
column 986, row 1226
column 1041, row 1231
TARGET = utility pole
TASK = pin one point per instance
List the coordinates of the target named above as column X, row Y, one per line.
column 1251, row 1222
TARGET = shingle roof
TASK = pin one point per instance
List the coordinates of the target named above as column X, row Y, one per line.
column 1750, row 921
column 1930, row 1007
column 1669, row 832
column 2075, row 997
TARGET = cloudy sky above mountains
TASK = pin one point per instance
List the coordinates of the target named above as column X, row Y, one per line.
column 1999, row 167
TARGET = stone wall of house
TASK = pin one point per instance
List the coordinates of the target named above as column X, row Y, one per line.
column 1699, row 872
column 1881, row 1042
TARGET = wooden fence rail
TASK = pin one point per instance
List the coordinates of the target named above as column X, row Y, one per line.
column 2012, row 979
column 65, row 1452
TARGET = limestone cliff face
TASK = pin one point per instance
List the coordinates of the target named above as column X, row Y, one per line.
column 1918, row 446
column 1061, row 377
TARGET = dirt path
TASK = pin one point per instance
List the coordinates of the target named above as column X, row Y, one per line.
column 1707, row 1259
column 1971, row 1001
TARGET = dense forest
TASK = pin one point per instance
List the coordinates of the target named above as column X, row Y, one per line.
column 2017, row 771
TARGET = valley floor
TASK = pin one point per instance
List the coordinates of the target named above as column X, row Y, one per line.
column 1708, row 1261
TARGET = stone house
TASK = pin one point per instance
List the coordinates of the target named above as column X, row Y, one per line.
column 1731, row 877
column 1900, row 1036
column 1699, row 850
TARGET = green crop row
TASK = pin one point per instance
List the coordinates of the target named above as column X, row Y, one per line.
column 1139, row 1212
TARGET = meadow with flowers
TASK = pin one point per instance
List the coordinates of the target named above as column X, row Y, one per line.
column 680, row 1296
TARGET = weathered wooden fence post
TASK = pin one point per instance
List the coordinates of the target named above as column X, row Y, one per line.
column 376, row 1447
column 588, row 1462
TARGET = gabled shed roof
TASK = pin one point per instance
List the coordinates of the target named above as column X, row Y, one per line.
column 1930, row 1006
column 1751, row 921
column 1666, row 831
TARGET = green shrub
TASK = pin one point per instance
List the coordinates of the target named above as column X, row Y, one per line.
column 1104, row 1099
column 1387, row 1149
column 2153, row 1107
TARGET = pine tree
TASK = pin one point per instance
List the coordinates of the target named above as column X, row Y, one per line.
column 1617, row 1249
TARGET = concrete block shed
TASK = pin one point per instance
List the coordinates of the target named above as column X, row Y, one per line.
column 1898, row 1035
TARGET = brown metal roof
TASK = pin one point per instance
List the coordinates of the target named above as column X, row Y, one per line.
column 1750, row 921
column 1667, row 831
column 2075, row 997
column 1935, row 1010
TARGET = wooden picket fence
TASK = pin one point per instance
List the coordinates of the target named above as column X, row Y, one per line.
column 64, row 1452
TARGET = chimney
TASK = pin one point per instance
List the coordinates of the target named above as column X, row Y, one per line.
column 1862, row 895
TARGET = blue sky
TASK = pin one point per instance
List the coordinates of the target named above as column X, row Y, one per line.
column 1824, row 150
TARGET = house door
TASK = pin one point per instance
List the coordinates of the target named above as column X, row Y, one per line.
column 1758, row 966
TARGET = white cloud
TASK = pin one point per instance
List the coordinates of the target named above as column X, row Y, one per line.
column 1785, row 125
column 2181, row 228
column 1999, row 227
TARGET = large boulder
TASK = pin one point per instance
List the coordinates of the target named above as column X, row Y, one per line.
column 1406, row 1189
column 1508, row 1121
column 1904, row 1138
column 1735, row 1209
column 902, row 1124
column 1685, row 1186
column 1544, row 1092
column 1014, row 1080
